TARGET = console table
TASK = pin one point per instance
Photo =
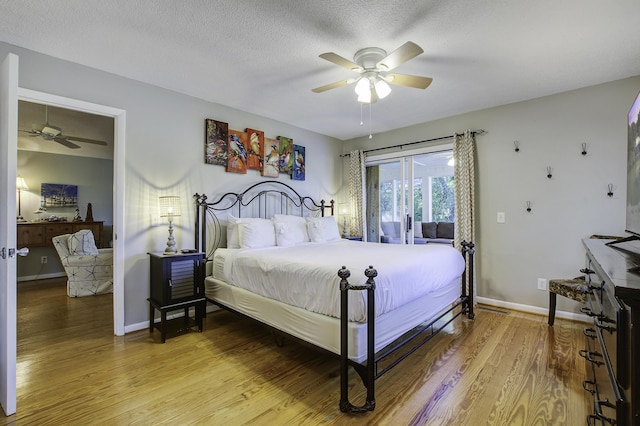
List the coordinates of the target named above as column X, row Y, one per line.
column 39, row 234
column 612, row 350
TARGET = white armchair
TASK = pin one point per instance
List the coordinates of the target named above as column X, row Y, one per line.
column 89, row 269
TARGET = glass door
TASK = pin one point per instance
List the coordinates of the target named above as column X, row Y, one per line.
column 405, row 192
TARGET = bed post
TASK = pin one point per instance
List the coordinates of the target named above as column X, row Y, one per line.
column 368, row 375
column 468, row 251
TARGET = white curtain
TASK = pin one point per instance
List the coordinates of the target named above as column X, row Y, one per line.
column 464, row 151
column 357, row 194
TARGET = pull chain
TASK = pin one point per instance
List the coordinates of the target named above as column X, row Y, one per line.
column 370, row 135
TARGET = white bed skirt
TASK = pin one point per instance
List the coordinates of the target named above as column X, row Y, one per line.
column 324, row 331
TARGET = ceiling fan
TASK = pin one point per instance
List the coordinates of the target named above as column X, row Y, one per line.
column 373, row 65
column 49, row 132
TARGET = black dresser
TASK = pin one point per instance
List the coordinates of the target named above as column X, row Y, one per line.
column 612, row 351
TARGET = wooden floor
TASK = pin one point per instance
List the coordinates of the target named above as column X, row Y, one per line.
column 504, row 368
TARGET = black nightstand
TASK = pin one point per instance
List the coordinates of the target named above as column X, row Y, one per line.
column 176, row 281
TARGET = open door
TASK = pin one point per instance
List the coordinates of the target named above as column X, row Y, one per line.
column 8, row 290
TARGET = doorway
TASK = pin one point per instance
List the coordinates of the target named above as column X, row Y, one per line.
column 119, row 118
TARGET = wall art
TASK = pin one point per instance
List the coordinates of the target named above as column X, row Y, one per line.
column 216, row 142
column 58, row 195
column 298, row 162
column 286, row 155
column 271, row 158
column 256, row 142
column 237, row 152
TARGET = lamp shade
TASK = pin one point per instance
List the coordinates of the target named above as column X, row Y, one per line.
column 169, row 206
column 21, row 184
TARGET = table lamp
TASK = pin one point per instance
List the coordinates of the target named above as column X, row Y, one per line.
column 21, row 185
column 170, row 208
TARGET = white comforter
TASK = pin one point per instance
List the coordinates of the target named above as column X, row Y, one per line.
column 306, row 275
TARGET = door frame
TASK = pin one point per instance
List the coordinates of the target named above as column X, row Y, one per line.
column 119, row 118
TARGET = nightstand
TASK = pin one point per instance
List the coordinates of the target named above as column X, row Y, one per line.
column 176, row 282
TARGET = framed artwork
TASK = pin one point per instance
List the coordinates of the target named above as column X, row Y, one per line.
column 271, row 158
column 237, row 152
column 298, row 162
column 58, row 195
column 216, row 142
column 254, row 152
column 286, row 155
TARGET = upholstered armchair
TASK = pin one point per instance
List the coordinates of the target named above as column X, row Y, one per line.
column 89, row 269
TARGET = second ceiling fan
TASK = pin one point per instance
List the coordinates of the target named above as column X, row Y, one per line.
column 53, row 133
column 373, row 65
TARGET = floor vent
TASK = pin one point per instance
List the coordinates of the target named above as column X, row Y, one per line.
column 497, row 311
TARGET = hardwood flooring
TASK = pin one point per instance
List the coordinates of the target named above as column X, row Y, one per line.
column 501, row 369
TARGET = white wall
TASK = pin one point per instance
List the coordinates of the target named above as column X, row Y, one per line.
column 165, row 155
column 572, row 205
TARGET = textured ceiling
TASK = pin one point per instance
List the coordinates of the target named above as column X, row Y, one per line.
column 261, row 56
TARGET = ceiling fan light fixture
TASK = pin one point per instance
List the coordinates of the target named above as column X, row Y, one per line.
column 365, row 97
column 363, row 87
column 382, row 88
column 51, row 131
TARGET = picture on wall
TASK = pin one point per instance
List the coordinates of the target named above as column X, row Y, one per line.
column 237, row 152
column 216, row 142
column 298, row 162
column 286, row 154
column 256, row 142
column 271, row 158
column 58, row 195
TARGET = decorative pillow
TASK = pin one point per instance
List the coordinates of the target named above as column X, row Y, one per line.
column 233, row 239
column 429, row 229
column 417, row 230
column 445, row 230
column 322, row 229
column 290, row 230
column 256, row 233
column 81, row 243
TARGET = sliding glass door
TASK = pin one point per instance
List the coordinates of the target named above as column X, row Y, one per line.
column 403, row 192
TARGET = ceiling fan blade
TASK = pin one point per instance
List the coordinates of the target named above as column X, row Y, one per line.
column 340, row 61
column 63, row 141
column 333, row 85
column 86, row 140
column 408, row 80
column 402, row 54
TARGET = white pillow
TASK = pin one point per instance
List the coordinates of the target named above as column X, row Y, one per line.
column 233, row 239
column 322, row 229
column 256, row 233
column 81, row 243
column 290, row 230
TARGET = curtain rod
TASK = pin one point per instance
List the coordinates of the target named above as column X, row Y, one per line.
column 474, row 132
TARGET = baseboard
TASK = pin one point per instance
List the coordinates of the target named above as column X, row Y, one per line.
column 41, row 276
column 532, row 309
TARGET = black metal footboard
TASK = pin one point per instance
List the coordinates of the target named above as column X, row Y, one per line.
column 368, row 371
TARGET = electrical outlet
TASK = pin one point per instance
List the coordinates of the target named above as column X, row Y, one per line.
column 542, row 284
column 43, row 259
column 501, row 217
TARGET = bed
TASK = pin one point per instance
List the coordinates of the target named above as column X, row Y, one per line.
column 280, row 260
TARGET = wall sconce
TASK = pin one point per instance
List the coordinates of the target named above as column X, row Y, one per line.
column 549, row 170
column 516, row 144
column 170, row 208
column 584, row 148
column 610, row 187
column 21, row 185
column 529, row 206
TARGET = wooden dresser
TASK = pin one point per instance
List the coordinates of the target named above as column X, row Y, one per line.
column 612, row 351
column 39, row 234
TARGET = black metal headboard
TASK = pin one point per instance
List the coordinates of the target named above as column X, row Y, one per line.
column 259, row 200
